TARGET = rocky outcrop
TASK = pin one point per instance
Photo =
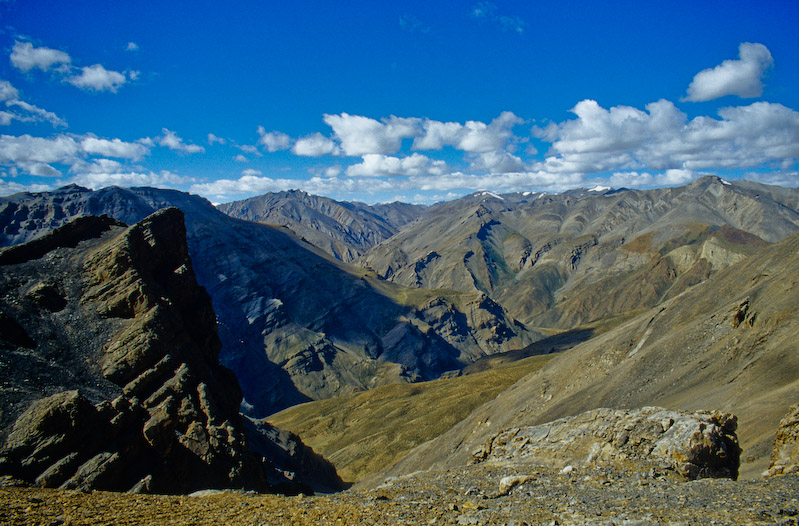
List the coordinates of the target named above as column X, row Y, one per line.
column 695, row 445
column 785, row 456
column 170, row 423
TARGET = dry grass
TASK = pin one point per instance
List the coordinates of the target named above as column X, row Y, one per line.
column 370, row 431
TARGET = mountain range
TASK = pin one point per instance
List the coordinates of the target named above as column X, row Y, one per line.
column 678, row 297
column 296, row 324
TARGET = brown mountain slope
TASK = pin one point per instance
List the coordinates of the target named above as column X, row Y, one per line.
column 344, row 230
column 728, row 343
column 567, row 259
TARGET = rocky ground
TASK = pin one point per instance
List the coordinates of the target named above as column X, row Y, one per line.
column 473, row 495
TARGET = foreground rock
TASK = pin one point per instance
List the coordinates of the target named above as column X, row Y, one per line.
column 785, row 457
column 140, row 401
column 593, row 497
column 694, row 445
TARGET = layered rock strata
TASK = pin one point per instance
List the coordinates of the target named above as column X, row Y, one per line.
column 165, row 418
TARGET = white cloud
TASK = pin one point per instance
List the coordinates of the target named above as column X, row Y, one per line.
column 473, row 136
column 25, row 57
column 249, row 172
column 171, row 140
column 213, row 139
column 314, row 146
column 7, row 91
column 376, row 165
column 646, row 180
column 39, row 169
column 31, row 113
column 332, row 171
column 498, row 161
column 624, row 138
column 25, row 112
column 97, row 78
column 132, row 46
column 26, row 149
column 241, row 159
column 249, row 148
column 273, row 141
column 163, row 179
column 362, row 135
column 733, row 77
column 11, row 187
column 114, row 148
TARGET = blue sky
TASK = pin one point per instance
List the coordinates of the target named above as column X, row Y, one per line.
column 379, row 101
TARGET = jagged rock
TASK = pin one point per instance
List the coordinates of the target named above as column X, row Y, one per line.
column 785, row 456
column 133, row 311
column 695, row 445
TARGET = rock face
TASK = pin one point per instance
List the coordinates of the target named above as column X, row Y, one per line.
column 295, row 323
column 567, row 259
column 159, row 413
column 695, row 445
column 785, row 457
column 344, row 230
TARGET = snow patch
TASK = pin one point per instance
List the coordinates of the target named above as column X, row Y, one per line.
column 493, row 195
column 525, row 194
column 725, row 182
column 599, row 189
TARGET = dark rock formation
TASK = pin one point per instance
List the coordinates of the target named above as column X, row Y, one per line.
column 785, row 456
column 159, row 413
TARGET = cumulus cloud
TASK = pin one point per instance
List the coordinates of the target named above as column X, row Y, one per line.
column 624, row 138
column 376, row 165
column 25, row 57
column 249, row 172
column 733, row 77
column 241, row 159
column 97, row 78
column 314, row 146
column 498, row 161
column 171, row 140
column 473, row 136
column 114, row 148
column 25, row 149
column 132, row 46
column 36, row 155
column 362, row 135
column 672, row 177
column 99, row 179
column 273, row 141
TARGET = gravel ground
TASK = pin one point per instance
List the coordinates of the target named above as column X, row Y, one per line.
column 597, row 497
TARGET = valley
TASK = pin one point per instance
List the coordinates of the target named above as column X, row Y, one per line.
column 396, row 341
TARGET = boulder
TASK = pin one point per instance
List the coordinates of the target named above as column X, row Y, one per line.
column 694, row 445
column 785, row 456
